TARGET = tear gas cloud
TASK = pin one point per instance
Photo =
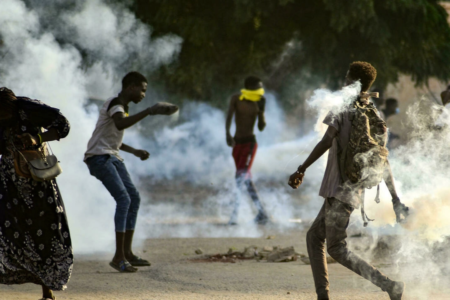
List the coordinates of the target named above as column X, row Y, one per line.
column 36, row 65
column 42, row 59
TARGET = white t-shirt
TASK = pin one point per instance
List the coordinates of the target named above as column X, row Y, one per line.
column 106, row 138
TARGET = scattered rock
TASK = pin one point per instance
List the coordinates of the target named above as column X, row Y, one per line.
column 282, row 255
column 268, row 248
column 199, row 251
column 270, row 237
column 288, row 293
column 250, row 252
column 271, row 254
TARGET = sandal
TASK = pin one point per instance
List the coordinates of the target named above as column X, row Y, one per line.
column 139, row 262
column 123, row 266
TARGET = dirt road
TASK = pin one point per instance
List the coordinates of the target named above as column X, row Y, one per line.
column 173, row 276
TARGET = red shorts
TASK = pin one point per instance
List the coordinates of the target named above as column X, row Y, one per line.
column 243, row 155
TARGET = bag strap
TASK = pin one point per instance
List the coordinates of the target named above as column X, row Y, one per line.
column 41, row 148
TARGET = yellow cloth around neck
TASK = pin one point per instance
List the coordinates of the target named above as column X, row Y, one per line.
column 252, row 95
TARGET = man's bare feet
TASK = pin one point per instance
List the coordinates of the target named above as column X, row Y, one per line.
column 163, row 108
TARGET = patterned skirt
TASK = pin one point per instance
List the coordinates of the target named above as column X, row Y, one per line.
column 35, row 245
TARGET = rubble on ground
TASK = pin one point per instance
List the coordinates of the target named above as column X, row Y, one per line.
column 267, row 253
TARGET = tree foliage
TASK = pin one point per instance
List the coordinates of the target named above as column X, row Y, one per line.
column 288, row 41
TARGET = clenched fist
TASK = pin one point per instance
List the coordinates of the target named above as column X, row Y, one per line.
column 296, row 179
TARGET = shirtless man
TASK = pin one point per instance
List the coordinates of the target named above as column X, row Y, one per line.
column 248, row 106
column 105, row 163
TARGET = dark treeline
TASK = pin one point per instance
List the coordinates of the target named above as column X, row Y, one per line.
column 297, row 43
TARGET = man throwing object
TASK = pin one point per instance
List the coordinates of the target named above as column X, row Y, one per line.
column 105, row 163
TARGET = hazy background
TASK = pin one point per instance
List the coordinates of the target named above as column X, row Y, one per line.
column 73, row 54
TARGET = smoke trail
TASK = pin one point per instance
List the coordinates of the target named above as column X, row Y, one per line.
column 36, row 65
column 53, row 53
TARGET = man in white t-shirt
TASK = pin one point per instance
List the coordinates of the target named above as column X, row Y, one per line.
column 104, row 162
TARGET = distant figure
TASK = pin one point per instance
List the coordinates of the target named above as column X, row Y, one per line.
column 445, row 96
column 379, row 102
column 104, row 162
column 442, row 120
column 248, row 106
column 355, row 131
column 35, row 243
column 391, row 109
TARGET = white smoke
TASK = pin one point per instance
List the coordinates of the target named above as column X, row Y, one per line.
column 43, row 60
column 34, row 64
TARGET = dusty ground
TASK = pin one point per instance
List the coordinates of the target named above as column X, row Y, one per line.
column 173, row 276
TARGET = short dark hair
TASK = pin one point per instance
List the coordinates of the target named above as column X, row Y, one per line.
column 252, row 83
column 363, row 71
column 391, row 101
column 133, row 78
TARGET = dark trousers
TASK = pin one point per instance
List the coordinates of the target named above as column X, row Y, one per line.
column 331, row 224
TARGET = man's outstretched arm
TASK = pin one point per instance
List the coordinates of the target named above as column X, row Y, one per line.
column 162, row 108
column 327, row 141
column 320, row 149
column 123, row 122
column 230, row 113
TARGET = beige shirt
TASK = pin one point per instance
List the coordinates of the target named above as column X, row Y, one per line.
column 106, row 138
column 332, row 185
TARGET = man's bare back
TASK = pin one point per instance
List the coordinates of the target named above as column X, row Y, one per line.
column 246, row 114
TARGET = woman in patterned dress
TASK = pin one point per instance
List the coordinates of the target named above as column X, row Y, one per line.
column 35, row 245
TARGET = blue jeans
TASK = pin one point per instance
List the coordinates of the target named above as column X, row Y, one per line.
column 114, row 176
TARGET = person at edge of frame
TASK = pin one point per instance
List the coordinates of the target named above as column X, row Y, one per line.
column 35, row 240
column 248, row 106
column 104, row 162
column 332, row 221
